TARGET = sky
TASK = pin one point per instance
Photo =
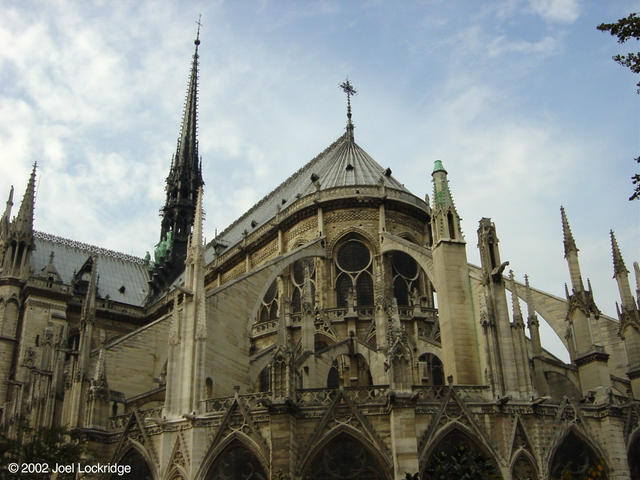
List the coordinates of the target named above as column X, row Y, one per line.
column 520, row 99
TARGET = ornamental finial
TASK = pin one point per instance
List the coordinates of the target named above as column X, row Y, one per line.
column 199, row 23
column 348, row 88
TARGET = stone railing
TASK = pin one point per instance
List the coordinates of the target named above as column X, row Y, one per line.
column 251, row 401
column 375, row 394
column 263, row 328
column 119, row 422
column 435, row 393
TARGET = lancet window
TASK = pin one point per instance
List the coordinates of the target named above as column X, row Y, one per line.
column 236, row 462
column 405, row 277
column 269, row 309
column 344, row 458
column 353, row 274
column 575, row 459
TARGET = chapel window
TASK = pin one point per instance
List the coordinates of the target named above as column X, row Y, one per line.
column 353, row 274
column 269, row 308
column 297, row 278
column 405, row 277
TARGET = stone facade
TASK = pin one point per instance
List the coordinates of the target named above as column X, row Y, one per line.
column 335, row 330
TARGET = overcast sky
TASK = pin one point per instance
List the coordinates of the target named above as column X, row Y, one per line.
column 519, row 98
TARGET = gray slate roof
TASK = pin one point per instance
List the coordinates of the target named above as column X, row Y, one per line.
column 343, row 163
column 115, row 270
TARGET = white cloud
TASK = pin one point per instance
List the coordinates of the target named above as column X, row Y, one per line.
column 564, row 11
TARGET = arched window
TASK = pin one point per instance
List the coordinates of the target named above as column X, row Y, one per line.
column 269, row 309
column 264, row 380
column 236, row 462
column 452, row 229
column 353, row 274
column 431, row 369
column 405, row 277
column 297, row 279
column 457, row 453
column 208, row 385
column 349, row 371
column 575, row 459
column 633, row 456
column 345, row 458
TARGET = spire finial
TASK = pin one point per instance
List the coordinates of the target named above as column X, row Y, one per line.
column 517, row 312
column 348, row 88
column 618, row 263
column 569, row 242
column 199, row 23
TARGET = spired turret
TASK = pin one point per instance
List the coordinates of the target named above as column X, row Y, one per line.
column 183, row 182
column 17, row 235
column 583, row 330
column 457, row 326
column 629, row 316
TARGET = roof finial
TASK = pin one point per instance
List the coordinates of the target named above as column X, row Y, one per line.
column 348, row 88
column 199, row 23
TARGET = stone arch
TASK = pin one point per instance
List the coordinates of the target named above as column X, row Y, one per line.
column 431, row 367
column 11, row 312
column 375, row 360
column 519, row 461
column 350, row 437
column 574, row 450
column 176, row 472
column 633, row 453
column 134, row 454
column 455, row 433
column 269, row 272
column 422, row 255
column 233, row 441
column 354, row 232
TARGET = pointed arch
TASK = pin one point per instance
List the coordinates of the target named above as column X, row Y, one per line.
column 574, row 451
column 523, row 465
column 345, row 453
column 456, row 442
column 238, row 450
column 633, row 453
column 142, row 465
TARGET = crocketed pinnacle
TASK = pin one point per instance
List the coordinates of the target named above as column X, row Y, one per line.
column 6, row 216
column 89, row 303
column 531, row 309
column 441, row 194
column 618, row 264
column 517, row 312
column 23, row 222
column 569, row 242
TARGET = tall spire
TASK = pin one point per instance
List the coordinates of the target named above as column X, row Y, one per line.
column 569, row 242
column 183, row 182
column 348, row 88
column 517, row 312
column 618, row 263
column 571, row 254
column 6, row 217
column 23, row 223
column 620, row 273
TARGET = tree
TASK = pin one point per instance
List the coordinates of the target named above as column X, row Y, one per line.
column 624, row 29
column 50, row 446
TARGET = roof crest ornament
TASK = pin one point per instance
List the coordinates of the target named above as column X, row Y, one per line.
column 199, row 23
column 348, row 88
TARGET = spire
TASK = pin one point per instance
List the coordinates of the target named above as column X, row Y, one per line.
column 6, row 217
column 23, row 223
column 517, row 312
column 441, row 194
column 183, row 182
column 569, row 242
column 618, row 264
column 89, row 303
column 348, row 88
column 636, row 268
column 571, row 254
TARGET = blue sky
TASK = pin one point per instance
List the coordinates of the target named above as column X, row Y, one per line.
column 519, row 98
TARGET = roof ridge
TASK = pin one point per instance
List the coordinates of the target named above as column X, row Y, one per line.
column 89, row 248
column 290, row 179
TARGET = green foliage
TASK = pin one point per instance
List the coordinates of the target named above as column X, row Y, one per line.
column 460, row 463
column 51, row 446
column 624, row 29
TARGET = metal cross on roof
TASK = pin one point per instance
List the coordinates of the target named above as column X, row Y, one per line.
column 199, row 23
column 348, row 88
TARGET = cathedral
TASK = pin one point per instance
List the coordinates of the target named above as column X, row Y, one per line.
column 334, row 331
